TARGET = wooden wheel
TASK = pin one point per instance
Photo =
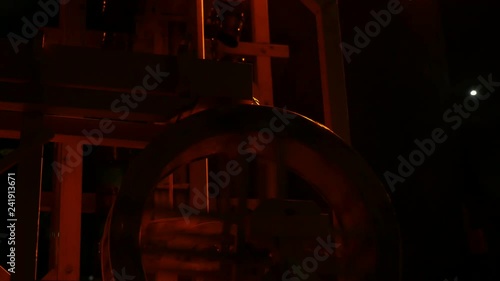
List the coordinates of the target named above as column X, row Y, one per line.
column 359, row 216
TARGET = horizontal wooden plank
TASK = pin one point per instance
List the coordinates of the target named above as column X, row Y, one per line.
column 164, row 186
column 287, row 226
column 155, row 107
column 124, row 134
column 105, row 68
column 257, row 49
column 121, row 71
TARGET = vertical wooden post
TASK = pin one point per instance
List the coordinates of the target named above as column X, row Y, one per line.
column 73, row 22
column 335, row 105
column 171, row 191
column 263, row 72
column 68, row 211
column 198, row 180
column 200, row 27
column 28, row 191
column 198, row 171
column 159, row 41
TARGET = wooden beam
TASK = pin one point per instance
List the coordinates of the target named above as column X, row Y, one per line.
column 198, row 182
column 73, row 65
column 89, row 201
column 66, row 129
column 91, row 103
column 4, row 274
column 260, row 19
column 200, row 28
column 335, row 105
column 258, row 49
column 88, row 131
column 69, row 212
column 25, row 150
column 263, row 70
column 9, row 134
column 107, row 69
column 198, row 170
column 229, row 82
column 28, row 189
column 72, row 22
column 51, row 276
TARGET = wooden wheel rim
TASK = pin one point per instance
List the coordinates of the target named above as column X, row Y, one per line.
column 357, row 196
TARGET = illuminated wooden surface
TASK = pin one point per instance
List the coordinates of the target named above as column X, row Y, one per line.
column 4, row 274
column 335, row 105
column 263, row 72
column 66, row 228
column 258, row 50
column 261, row 34
column 73, row 22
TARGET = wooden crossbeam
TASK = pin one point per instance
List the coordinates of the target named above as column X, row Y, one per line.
column 89, row 200
column 261, row 34
column 264, row 77
column 68, row 129
column 89, row 103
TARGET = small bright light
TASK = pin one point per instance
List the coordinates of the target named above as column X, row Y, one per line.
column 91, row 277
column 473, row 92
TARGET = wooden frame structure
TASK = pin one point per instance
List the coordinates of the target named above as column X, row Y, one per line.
column 63, row 112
